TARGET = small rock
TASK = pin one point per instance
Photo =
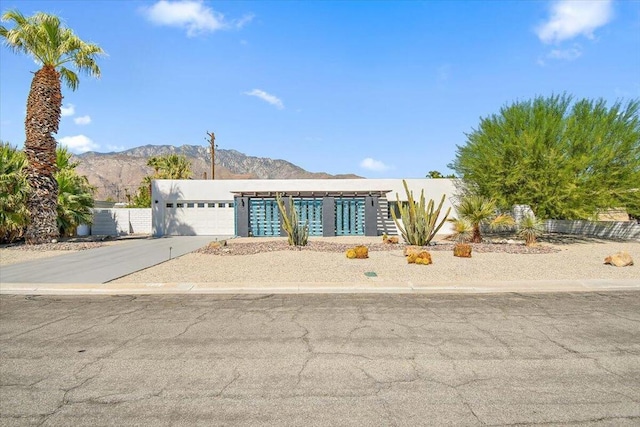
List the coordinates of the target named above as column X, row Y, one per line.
column 620, row 259
column 54, row 241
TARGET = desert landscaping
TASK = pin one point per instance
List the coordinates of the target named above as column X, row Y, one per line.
column 260, row 261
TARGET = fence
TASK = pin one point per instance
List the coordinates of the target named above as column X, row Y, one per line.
column 121, row 221
column 626, row 230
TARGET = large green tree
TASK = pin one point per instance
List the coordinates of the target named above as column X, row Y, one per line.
column 565, row 159
column 55, row 47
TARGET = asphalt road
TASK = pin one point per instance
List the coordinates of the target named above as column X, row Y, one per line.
column 292, row 360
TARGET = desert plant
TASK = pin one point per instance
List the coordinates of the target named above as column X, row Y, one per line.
column 462, row 232
column 357, row 252
column 530, row 228
column 479, row 210
column 462, row 250
column 54, row 47
column 419, row 219
column 298, row 233
column 362, row 252
column 422, row 257
column 13, row 193
column 389, row 239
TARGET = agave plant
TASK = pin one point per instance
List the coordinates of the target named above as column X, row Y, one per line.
column 530, row 228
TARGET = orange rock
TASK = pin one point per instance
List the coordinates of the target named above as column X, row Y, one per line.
column 620, row 259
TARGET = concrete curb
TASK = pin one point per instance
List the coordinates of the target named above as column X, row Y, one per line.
column 524, row 286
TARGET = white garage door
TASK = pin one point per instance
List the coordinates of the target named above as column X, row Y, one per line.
column 199, row 218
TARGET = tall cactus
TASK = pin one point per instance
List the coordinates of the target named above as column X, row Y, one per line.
column 298, row 234
column 419, row 220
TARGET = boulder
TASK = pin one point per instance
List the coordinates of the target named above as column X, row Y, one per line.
column 620, row 259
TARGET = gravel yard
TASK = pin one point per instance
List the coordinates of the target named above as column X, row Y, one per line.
column 264, row 260
column 323, row 261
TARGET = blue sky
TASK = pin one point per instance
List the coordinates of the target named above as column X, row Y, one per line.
column 380, row 89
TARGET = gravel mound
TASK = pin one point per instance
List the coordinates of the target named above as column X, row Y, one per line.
column 235, row 248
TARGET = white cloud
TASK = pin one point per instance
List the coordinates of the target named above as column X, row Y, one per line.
column 115, row 147
column 572, row 18
column 373, row 165
column 78, row 144
column 84, row 120
column 68, row 110
column 569, row 54
column 192, row 15
column 566, row 54
column 271, row 99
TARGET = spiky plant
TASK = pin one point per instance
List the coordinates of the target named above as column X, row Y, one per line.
column 298, row 233
column 478, row 210
column 13, row 193
column 419, row 219
column 530, row 228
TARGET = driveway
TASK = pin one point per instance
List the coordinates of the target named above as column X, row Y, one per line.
column 103, row 264
column 320, row 360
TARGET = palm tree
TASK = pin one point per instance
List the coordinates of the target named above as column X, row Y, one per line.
column 175, row 166
column 478, row 210
column 13, row 193
column 51, row 44
column 75, row 195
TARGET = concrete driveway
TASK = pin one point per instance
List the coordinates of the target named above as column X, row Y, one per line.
column 103, row 264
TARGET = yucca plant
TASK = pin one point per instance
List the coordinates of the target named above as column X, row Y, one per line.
column 462, row 232
column 298, row 233
column 530, row 228
column 419, row 219
column 478, row 210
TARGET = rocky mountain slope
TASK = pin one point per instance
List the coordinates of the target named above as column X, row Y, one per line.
column 116, row 174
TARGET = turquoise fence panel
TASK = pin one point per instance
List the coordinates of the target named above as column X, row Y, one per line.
column 310, row 212
column 350, row 216
column 264, row 217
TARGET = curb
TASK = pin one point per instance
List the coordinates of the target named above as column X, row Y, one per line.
column 531, row 286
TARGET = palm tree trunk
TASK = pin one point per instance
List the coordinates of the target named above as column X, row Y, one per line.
column 43, row 117
column 477, row 237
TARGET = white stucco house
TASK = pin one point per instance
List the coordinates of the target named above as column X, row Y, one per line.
column 331, row 207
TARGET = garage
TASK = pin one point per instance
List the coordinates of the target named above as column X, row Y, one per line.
column 198, row 218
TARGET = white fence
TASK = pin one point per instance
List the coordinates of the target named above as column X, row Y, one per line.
column 626, row 230
column 121, row 221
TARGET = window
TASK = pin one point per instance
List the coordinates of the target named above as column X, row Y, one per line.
column 221, row 205
column 179, row 205
column 231, row 205
column 211, row 205
column 169, row 205
column 201, row 205
column 190, row 205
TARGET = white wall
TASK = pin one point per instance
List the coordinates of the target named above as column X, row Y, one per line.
column 173, row 191
column 119, row 222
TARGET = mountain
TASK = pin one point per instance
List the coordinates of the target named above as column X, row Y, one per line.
column 116, row 174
